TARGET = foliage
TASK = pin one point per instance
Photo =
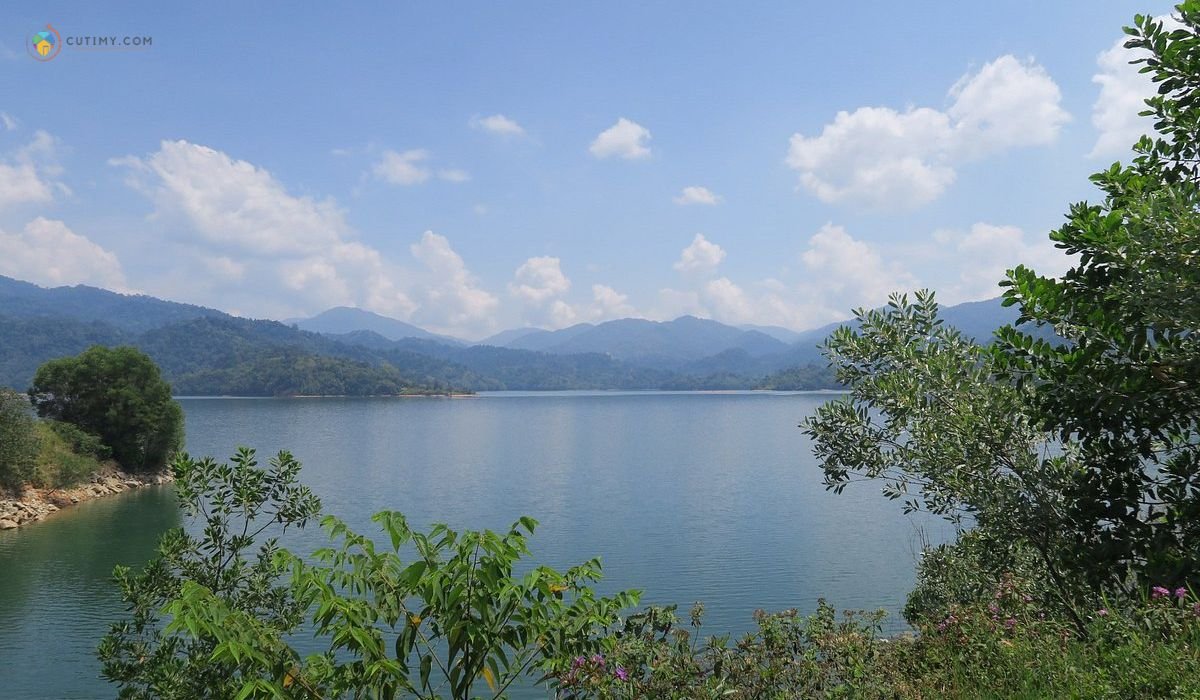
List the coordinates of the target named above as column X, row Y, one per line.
column 62, row 459
column 1123, row 387
column 803, row 378
column 454, row 618
column 18, row 442
column 288, row 373
column 1082, row 447
column 228, row 562
column 788, row 656
column 117, row 394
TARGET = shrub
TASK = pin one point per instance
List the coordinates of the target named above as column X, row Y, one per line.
column 18, row 441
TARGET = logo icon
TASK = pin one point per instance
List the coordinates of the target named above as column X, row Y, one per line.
column 45, row 44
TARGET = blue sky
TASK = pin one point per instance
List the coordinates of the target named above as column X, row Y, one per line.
column 472, row 167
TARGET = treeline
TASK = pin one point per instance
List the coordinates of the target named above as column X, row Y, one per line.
column 224, row 355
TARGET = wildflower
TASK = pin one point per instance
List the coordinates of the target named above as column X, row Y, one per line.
column 1159, row 592
column 1102, row 612
column 1010, row 623
column 621, row 673
column 1181, row 593
column 578, row 662
column 598, row 659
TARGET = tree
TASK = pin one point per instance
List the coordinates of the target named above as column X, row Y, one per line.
column 213, row 616
column 117, row 394
column 1083, row 448
column 18, row 441
column 1123, row 386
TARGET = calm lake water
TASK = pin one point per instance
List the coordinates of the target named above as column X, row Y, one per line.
column 687, row 496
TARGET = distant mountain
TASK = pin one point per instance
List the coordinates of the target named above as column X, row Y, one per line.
column 205, row 351
column 345, row 319
column 127, row 312
column 504, row 338
column 655, row 343
column 540, row 339
column 779, row 333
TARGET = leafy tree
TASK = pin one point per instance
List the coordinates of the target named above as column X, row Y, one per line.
column 1124, row 385
column 117, row 394
column 239, row 502
column 212, row 616
column 18, row 441
column 1080, row 452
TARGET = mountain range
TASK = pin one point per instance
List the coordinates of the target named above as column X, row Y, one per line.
column 204, row 351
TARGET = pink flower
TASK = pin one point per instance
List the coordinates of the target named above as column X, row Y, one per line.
column 1010, row 623
column 1181, row 593
column 1159, row 592
column 621, row 673
column 1102, row 612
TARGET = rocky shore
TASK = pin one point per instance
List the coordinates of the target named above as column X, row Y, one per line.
column 35, row 504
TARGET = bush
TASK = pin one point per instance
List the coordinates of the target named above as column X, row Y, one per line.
column 118, row 395
column 18, row 441
column 59, row 462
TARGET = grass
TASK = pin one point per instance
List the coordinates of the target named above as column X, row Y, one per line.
column 60, row 463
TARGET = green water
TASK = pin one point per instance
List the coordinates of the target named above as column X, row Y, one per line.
column 712, row 497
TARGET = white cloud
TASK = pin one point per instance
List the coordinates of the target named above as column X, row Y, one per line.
column 498, row 124
column 608, row 303
column 233, row 204
column 48, row 252
column 695, row 194
column 454, row 175
column 451, row 300
column 30, row 175
column 885, row 158
column 852, row 271
column 982, row 255
column 625, row 139
column 8, row 121
column 538, row 280
column 405, row 168
column 270, row 252
column 1123, row 93
column 701, row 255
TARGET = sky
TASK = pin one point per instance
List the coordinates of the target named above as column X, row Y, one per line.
column 472, row 167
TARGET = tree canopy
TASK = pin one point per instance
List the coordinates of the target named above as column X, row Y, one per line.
column 117, row 394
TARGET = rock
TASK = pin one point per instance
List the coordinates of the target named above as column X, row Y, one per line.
column 7, row 524
column 61, row 499
column 130, row 483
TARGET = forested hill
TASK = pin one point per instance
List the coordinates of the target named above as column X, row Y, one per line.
column 206, row 352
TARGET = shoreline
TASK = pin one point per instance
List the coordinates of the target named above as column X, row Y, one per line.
column 34, row 504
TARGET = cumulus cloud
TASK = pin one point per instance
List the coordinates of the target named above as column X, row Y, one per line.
column 608, row 303
column 852, row 271
column 233, row 204
column 697, row 195
column 625, row 139
column 983, row 254
column 498, row 124
column 30, row 175
column 48, row 252
column 407, row 168
column 701, row 255
column 1123, row 93
column 271, row 252
column 885, row 158
column 451, row 300
column 538, row 280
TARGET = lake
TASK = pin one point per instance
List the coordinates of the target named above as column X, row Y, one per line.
column 713, row 497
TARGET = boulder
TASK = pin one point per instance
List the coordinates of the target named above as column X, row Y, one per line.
column 7, row 524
